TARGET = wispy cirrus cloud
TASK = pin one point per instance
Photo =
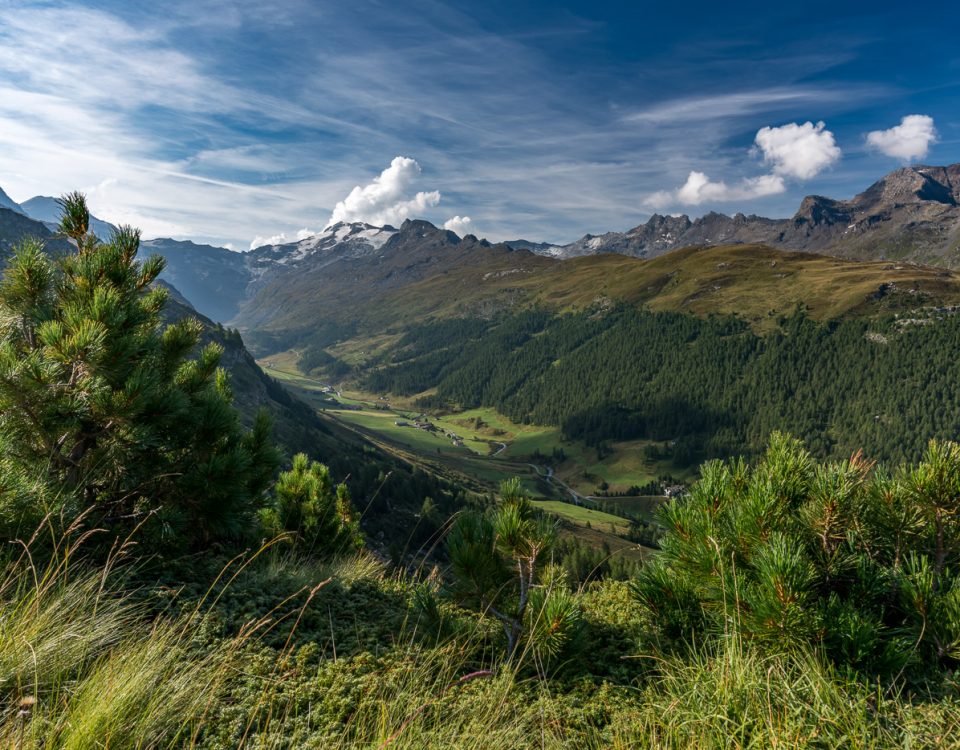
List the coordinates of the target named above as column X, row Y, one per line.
column 737, row 104
column 229, row 121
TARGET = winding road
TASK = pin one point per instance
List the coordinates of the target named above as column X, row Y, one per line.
column 554, row 479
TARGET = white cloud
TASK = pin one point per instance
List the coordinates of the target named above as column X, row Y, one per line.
column 716, row 106
column 660, row 199
column 385, row 201
column 281, row 239
column 701, row 189
column 907, row 141
column 800, row 151
column 792, row 150
column 241, row 158
column 461, row 225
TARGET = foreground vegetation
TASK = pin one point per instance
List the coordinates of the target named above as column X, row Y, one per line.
column 174, row 585
column 348, row 661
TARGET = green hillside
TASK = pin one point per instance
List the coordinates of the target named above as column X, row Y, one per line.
column 340, row 303
column 753, row 282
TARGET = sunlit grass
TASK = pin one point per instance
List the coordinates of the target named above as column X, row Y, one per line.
column 84, row 664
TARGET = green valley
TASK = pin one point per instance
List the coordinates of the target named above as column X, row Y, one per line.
column 480, row 448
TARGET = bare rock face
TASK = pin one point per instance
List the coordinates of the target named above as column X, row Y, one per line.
column 911, row 185
column 912, row 213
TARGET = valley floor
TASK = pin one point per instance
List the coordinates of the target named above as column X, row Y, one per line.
column 479, row 448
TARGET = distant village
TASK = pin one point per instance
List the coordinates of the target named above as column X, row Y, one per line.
column 422, row 423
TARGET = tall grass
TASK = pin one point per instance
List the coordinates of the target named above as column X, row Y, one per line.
column 85, row 664
column 733, row 695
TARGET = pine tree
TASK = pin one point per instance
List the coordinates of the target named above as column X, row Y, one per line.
column 496, row 566
column 858, row 562
column 307, row 505
column 120, row 415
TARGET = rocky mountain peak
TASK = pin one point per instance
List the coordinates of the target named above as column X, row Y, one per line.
column 909, row 185
column 917, row 206
column 658, row 224
column 423, row 228
column 818, row 210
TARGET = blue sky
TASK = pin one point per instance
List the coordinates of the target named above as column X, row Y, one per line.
column 232, row 121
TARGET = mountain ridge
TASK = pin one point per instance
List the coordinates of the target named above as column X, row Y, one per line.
column 45, row 208
column 911, row 213
column 8, row 203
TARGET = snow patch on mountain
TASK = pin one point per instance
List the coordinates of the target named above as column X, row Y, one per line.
column 338, row 241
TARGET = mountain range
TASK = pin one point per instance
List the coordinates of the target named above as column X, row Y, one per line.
column 352, row 273
column 912, row 213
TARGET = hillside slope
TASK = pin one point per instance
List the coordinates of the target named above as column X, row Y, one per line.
column 754, row 282
column 16, row 227
column 214, row 279
column 350, row 284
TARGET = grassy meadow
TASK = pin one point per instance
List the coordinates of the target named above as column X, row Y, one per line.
column 276, row 651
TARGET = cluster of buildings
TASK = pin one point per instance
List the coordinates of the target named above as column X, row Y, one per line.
column 421, row 423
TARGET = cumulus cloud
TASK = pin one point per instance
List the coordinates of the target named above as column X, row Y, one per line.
column 461, row 225
column 699, row 188
column 282, row 238
column 792, row 151
column 907, row 141
column 800, row 151
column 385, row 200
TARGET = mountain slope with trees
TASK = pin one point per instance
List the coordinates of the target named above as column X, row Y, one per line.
column 700, row 387
column 392, row 490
